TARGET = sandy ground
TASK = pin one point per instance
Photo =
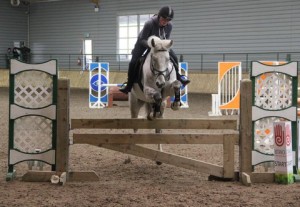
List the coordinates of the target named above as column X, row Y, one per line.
column 141, row 182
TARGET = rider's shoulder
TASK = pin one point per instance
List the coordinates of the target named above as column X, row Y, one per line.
column 150, row 23
column 153, row 19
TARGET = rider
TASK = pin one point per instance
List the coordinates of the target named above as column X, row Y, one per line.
column 159, row 25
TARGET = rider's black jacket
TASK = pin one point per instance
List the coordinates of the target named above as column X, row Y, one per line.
column 150, row 28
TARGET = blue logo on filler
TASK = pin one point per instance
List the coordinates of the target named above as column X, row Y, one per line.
column 94, row 82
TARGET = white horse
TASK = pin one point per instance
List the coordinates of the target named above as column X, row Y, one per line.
column 158, row 82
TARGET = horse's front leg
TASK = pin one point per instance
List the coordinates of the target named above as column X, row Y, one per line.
column 154, row 97
column 176, row 88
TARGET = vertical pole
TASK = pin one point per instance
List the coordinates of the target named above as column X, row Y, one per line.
column 99, row 101
column 245, row 150
column 62, row 150
column 228, row 156
column 247, row 62
column 201, row 67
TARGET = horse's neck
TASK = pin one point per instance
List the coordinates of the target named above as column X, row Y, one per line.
column 148, row 58
column 147, row 64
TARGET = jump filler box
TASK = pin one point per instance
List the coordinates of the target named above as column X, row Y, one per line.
column 283, row 153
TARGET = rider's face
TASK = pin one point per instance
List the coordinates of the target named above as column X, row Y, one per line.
column 163, row 22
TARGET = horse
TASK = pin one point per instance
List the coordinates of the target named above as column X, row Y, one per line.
column 158, row 82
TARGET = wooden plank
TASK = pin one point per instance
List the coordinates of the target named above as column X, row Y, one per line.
column 62, row 141
column 262, row 177
column 197, row 138
column 245, row 128
column 228, row 156
column 82, row 176
column 38, row 176
column 73, row 176
column 203, row 123
column 168, row 158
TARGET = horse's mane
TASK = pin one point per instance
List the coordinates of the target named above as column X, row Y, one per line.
column 157, row 44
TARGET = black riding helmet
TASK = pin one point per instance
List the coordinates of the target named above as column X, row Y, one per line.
column 166, row 12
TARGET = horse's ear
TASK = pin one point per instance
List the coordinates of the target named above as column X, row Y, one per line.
column 152, row 42
column 170, row 44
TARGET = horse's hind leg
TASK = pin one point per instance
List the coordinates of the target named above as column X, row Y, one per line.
column 134, row 106
column 135, row 109
column 159, row 131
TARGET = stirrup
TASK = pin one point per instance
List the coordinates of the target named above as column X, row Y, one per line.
column 125, row 88
column 123, row 85
column 184, row 80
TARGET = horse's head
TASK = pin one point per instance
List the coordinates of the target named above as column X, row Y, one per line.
column 160, row 59
column 156, row 44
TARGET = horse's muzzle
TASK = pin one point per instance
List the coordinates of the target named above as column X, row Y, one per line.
column 160, row 85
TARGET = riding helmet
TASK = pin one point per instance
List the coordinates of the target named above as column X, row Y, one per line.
column 166, row 12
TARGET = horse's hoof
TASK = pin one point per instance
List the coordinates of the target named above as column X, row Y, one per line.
column 158, row 163
column 150, row 118
column 128, row 160
column 175, row 106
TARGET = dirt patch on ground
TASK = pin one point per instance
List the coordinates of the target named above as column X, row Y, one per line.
column 141, row 182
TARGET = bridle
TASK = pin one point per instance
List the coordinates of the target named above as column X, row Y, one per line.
column 165, row 73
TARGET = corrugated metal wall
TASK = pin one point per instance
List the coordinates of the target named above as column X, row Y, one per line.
column 200, row 26
column 13, row 21
column 238, row 25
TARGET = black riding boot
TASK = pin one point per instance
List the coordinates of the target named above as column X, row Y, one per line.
column 130, row 79
column 182, row 78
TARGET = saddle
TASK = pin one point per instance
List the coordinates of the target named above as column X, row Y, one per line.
column 139, row 69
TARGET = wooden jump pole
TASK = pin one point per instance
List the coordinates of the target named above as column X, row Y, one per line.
column 245, row 149
column 199, row 123
column 63, row 117
column 126, row 143
column 197, row 138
